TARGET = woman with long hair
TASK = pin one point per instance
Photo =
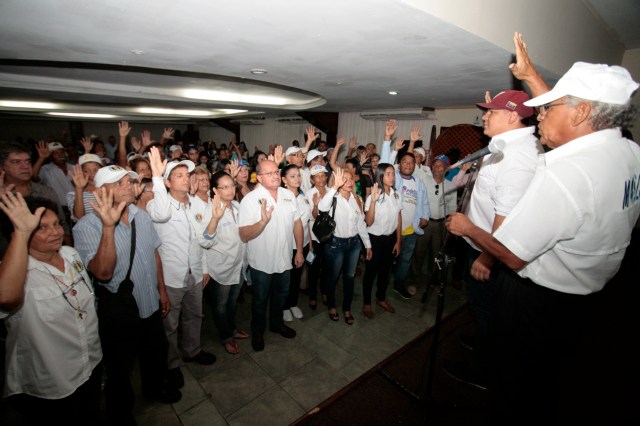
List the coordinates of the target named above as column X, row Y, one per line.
column 291, row 180
column 384, row 224
column 343, row 251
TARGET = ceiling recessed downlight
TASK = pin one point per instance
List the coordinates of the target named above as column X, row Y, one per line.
column 393, row 92
column 258, row 71
column 137, row 52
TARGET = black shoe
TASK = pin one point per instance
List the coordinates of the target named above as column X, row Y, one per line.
column 402, row 293
column 204, row 358
column 465, row 374
column 167, row 395
column 257, row 342
column 175, row 378
column 286, row 332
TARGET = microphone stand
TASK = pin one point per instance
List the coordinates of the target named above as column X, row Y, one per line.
column 441, row 262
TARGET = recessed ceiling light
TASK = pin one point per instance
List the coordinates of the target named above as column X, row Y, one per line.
column 137, row 52
column 26, row 104
column 393, row 93
column 258, row 71
column 81, row 114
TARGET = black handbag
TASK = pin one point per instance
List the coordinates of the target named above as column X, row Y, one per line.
column 324, row 226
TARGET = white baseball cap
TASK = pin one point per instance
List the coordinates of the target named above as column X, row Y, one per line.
column 593, row 82
column 314, row 153
column 112, row 174
column 420, row 151
column 292, row 150
column 132, row 156
column 54, row 146
column 318, row 169
column 172, row 165
column 89, row 158
column 174, row 148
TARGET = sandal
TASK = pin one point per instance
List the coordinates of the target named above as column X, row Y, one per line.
column 348, row 318
column 240, row 335
column 232, row 348
column 334, row 316
column 313, row 304
column 367, row 311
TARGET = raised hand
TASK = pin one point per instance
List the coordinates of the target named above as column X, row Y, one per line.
column 311, row 134
column 168, row 133
column 43, row 149
column 363, row 158
column 278, row 154
column 265, row 215
column 123, row 129
column 158, row 165
column 87, row 144
column 487, row 97
column 415, row 134
column 353, row 143
column 193, row 183
column 138, row 189
column 341, row 141
column 79, row 179
column 103, row 206
column 217, row 208
column 233, row 168
column 398, row 143
column 338, row 178
column 18, row 212
column 135, row 144
column 390, row 129
column 3, row 188
column 375, row 193
column 146, row 138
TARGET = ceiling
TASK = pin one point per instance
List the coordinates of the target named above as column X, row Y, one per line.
column 120, row 55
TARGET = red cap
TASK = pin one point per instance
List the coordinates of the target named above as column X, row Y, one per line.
column 510, row 100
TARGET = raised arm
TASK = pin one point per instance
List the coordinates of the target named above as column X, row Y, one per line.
column 524, row 70
column 43, row 154
column 80, row 183
column 311, row 137
column 333, row 159
column 123, row 131
column 249, row 232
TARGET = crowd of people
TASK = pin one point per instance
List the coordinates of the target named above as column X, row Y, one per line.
column 109, row 257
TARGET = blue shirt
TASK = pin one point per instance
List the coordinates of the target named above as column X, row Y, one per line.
column 87, row 234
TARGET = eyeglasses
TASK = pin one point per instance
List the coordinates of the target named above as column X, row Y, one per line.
column 437, row 189
column 543, row 109
column 271, row 174
column 233, row 185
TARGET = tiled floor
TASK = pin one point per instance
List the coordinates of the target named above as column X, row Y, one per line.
column 291, row 376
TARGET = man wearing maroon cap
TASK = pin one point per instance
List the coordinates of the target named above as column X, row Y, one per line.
column 502, row 180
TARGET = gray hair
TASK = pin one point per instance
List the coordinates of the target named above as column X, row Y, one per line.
column 605, row 115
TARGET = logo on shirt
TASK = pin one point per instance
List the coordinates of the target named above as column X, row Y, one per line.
column 78, row 266
column 631, row 192
column 198, row 217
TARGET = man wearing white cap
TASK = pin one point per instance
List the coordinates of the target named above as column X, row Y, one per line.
column 313, row 158
column 567, row 235
column 106, row 250
column 55, row 174
column 182, row 260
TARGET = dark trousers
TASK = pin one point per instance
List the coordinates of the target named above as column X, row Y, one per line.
column 534, row 333
column 316, row 272
column 296, row 280
column 143, row 339
column 274, row 289
column 84, row 403
column 223, row 300
column 378, row 266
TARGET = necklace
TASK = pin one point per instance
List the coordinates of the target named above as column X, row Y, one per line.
column 71, row 289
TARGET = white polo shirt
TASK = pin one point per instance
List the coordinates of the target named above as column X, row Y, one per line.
column 272, row 250
column 445, row 201
column 304, row 210
column 385, row 221
column 503, row 178
column 575, row 221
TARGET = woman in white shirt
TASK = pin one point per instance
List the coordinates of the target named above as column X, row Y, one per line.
column 384, row 224
column 291, row 180
column 53, row 350
column 225, row 257
column 316, row 271
column 343, row 250
column 82, row 175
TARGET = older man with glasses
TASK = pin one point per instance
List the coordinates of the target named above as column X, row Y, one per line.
column 566, row 237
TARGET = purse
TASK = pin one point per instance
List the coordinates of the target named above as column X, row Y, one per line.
column 324, row 226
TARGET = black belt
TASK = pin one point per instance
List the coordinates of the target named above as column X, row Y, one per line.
column 436, row 220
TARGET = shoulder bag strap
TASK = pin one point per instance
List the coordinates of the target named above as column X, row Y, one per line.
column 133, row 247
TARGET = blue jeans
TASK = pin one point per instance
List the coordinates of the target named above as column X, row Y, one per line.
column 272, row 287
column 404, row 260
column 224, row 308
column 341, row 254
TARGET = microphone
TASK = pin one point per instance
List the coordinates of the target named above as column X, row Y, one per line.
column 496, row 145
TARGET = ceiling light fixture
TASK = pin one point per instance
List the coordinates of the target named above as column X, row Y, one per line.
column 137, row 52
column 234, row 97
column 26, row 104
column 168, row 111
column 258, row 71
column 393, row 93
column 81, row 115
